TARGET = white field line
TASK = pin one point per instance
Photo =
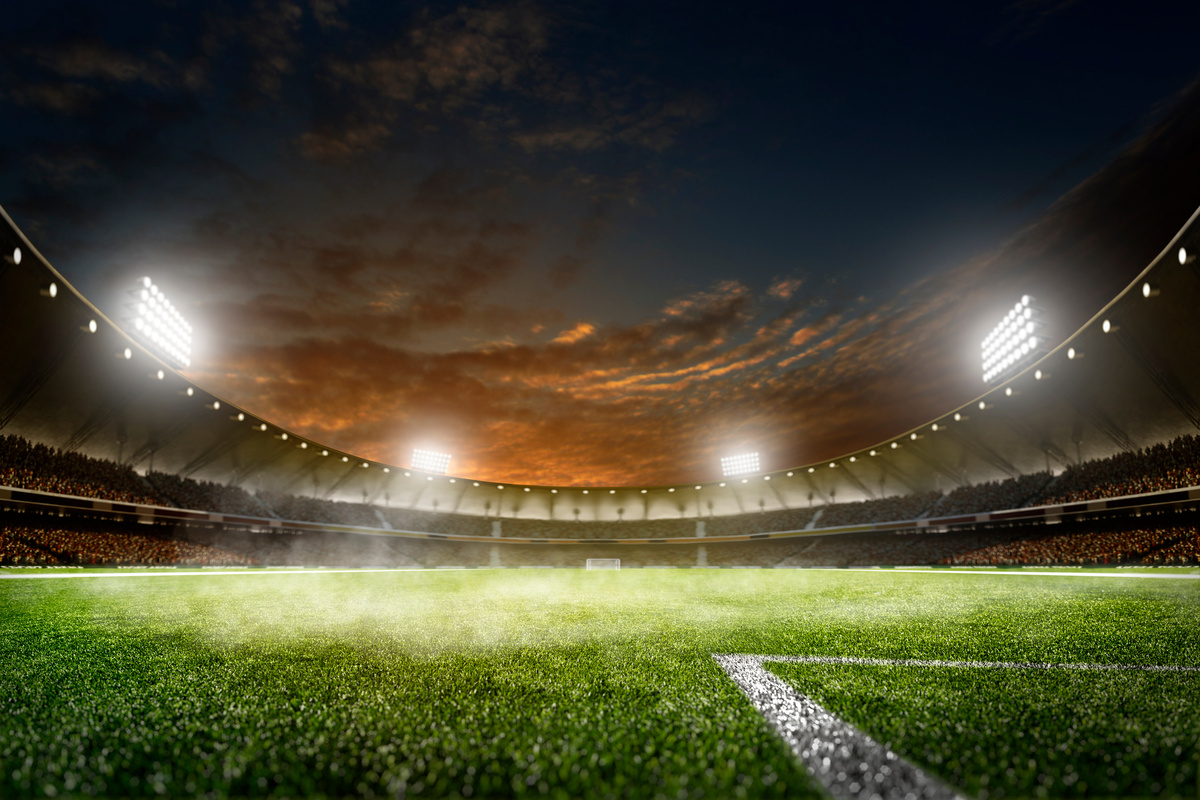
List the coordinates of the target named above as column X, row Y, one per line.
column 1187, row 576
column 843, row 759
column 169, row 573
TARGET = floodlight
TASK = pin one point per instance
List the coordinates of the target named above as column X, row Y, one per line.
column 1013, row 342
column 16, row 255
column 1183, row 256
column 1108, row 327
column 160, row 324
column 430, row 461
column 91, row 326
column 1149, row 291
column 740, row 464
column 127, row 353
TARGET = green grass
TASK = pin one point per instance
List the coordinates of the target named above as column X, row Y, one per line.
column 577, row 684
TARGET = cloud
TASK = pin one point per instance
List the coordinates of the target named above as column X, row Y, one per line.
column 94, row 59
column 581, row 330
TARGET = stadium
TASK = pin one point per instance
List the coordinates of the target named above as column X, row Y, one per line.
column 593, row 400
column 492, row 678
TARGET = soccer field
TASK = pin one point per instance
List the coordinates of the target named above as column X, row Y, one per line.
column 566, row 683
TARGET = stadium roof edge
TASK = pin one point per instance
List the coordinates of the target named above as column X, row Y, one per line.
column 1138, row 391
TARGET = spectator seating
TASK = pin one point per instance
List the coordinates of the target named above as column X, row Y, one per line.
column 1173, row 465
column 26, row 465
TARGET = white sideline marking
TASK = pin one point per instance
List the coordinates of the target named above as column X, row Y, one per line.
column 170, row 573
column 1187, row 576
column 843, row 759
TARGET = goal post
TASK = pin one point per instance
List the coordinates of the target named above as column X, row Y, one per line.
column 603, row 563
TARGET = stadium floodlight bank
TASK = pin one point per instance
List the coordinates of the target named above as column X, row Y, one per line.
column 1014, row 343
column 742, row 464
column 603, row 563
column 159, row 324
column 430, row 461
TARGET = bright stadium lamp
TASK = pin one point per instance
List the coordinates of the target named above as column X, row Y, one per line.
column 159, row 324
column 430, row 461
column 1013, row 343
column 740, row 464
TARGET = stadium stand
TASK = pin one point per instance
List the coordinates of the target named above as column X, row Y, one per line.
column 207, row 496
column 792, row 519
column 26, row 465
column 34, row 466
column 312, row 509
column 45, row 545
column 1089, row 547
column 405, row 519
column 1172, row 465
column 1183, row 551
column 887, row 509
column 991, row 496
column 572, row 529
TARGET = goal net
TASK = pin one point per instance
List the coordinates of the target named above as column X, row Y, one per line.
column 604, row 563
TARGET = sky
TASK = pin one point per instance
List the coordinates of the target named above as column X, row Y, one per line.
column 599, row 243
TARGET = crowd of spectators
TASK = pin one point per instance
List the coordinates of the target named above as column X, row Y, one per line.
column 408, row 519
column 25, row 465
column 312, row 509
column 788, row 519
column 105, row 547
column 886, row 509
column 991, row 496
column 575, row 529
column 206, row 495
column 16, row 551
column 1173, row 465
column 1087, row 547
column 1184, row 550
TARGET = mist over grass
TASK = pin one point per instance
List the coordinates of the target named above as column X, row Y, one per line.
column 559, row 683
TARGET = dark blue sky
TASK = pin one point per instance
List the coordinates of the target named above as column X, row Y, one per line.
column 550, row 238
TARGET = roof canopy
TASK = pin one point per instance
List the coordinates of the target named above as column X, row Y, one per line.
column 71, row 378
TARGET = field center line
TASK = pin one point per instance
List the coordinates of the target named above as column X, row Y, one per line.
column 844, row 760
column 1186, row 576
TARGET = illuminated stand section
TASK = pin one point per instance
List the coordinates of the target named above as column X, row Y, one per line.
column 160, row 326
column 1014, row 343
column 742, row 464
column 430, row 461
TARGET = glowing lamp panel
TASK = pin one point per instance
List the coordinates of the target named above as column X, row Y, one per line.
column 1014, row 343
column 430, row 461
column 743, row 464
column 160, row 325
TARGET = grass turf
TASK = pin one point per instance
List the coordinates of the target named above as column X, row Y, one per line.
column 574, row 684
